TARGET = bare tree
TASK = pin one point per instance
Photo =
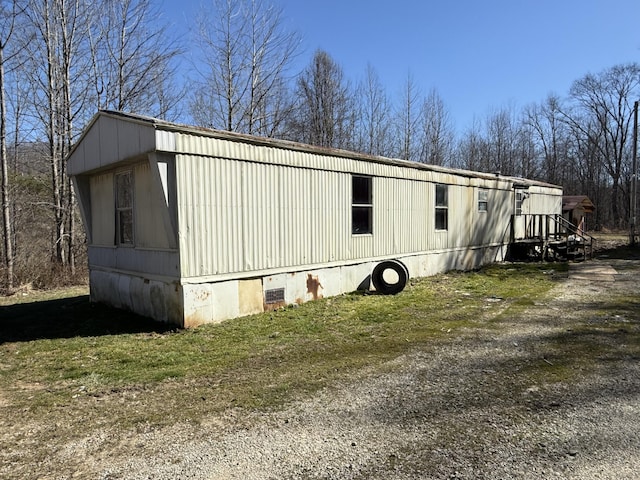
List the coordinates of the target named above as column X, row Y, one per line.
column 585, row 172
column 218, row 101
column 502, row 132
column 437, row 135
column 84, row 55
column 374, row 116
column 526, row 152
column 607, row 98
column 133, row 59
column 8, row 17
column 58, row 79
column 499, row 144
column 471, row 148
column 246, row 53
column 272, row 51
column 552, row 136
column 407, row 121
column 325, row 114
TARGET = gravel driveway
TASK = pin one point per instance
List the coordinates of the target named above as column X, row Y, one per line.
column 466, row 409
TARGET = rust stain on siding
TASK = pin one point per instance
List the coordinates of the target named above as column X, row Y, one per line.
column 314, row 286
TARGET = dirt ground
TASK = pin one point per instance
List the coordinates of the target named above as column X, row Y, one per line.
column 470, row 408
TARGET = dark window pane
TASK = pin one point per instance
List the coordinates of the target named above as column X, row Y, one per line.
column 441, row 219
column 361, row 190
column 124, row 208
column 125, row 227
column 441, row 195
column 123, row 190
column 361, row 222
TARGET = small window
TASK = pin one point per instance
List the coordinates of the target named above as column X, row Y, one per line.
column 124, row 208
column 361, row 205
column 483, row 200
column 520, row 196
column 442, row 207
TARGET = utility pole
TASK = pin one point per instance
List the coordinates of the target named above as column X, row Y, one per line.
column 634, row 178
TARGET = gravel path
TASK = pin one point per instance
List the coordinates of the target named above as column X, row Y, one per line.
column 464, row 410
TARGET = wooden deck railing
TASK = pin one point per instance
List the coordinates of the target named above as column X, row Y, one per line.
column 549, row 229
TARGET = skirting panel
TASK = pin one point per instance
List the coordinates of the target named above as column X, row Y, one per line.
column 194, row 304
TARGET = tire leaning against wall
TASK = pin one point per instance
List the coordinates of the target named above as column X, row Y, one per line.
column 381, row 285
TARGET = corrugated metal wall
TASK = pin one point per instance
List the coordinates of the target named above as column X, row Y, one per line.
column 150, row 230
column 542, row 200
column 250, row 208
column 240, row 216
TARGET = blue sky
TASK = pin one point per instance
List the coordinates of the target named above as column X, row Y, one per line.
column 479, row 55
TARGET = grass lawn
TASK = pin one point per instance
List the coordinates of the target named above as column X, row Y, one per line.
column 76, row 377
column 60, row 353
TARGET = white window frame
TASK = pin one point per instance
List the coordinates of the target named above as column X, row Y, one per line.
column 361, row 204
column 520, row 196
column 124, row 210
column 483, row 200
column 442, row 208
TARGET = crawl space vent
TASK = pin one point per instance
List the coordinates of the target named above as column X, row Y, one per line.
column 275, row 295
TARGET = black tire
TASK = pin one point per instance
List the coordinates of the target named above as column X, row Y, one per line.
column 381, row 285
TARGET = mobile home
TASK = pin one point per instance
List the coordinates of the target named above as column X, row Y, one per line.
column 189, row 225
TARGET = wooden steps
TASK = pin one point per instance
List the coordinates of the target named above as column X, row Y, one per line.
column 550, row 237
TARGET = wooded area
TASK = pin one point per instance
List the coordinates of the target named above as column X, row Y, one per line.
column 62, row 60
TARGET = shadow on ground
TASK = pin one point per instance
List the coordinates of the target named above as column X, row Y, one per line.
column 70, row 317
column 617, row 251
column 76, row 316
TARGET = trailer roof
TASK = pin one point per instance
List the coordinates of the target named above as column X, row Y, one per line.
column 163, row 125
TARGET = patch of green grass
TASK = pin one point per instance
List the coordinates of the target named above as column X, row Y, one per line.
column 257, row 361
column 609, row 334
column 32, row 296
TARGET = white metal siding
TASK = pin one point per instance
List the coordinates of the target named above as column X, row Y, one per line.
column 239, row 216
column 543, row 201
column 108, row 141
column 160, row 263
column 102, row 209
column 460, row 216
column 401, row 216
column 150, row 229
column 199, row 145
column 247, row 208
column 498, row 223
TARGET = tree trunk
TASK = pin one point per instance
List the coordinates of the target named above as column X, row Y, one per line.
column 6, row 201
